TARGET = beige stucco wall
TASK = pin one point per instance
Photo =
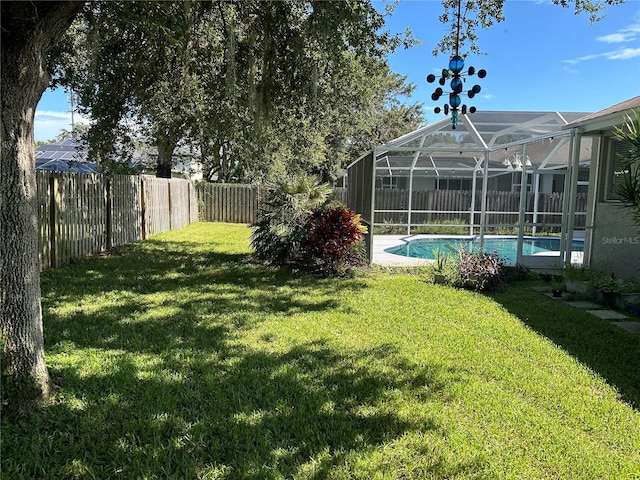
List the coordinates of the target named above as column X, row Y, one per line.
column 615, row 241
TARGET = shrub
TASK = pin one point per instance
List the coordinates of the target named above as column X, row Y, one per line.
column 608, row 283
column 480, row 271
column 297, row 226
column 281, row 220
column 572, row 272
column 332, row 240
column 516, row 273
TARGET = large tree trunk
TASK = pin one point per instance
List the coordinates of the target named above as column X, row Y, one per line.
column 29, row 31
column 165, row 146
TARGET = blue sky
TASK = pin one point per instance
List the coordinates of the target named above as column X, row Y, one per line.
column 542, row 57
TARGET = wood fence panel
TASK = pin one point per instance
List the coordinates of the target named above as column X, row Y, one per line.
column 391, row 199
column 157, row 205
column 548, row 204
column 229, row 202
column 83, row 214
column 341, row 194
column 420, row 202
column 126, row 210
column 179, row 190
column 62, row 204
column 44, row 220
column 581, row 207
column 205, row 203
column 502, row 207
column 80, row 202
column 194, row 205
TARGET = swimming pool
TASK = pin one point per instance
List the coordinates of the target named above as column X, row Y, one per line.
column 504, row 247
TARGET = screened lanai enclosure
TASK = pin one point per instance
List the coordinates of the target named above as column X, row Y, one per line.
column 518, row 174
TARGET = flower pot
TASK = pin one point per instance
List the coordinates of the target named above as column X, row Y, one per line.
column 616, row 300
column 605, row 298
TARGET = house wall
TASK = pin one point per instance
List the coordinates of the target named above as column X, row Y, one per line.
column 500, row 183
column 546, row 183
column 423, row 183
column 615, row 241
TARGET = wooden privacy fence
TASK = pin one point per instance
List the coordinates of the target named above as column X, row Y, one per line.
column 228, row 202
column 83, row 214
column 234, row 203
column 240, row 204
column 445, row 206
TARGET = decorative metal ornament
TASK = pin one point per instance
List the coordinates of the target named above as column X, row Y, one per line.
column 457, row 79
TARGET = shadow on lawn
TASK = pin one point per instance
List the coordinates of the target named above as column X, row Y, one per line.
column 176, row 395
column 611, row 352
column 151, row 298
column 244, row 414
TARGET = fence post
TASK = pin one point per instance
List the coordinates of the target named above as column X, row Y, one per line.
column 109, row 214
column 169, row 200
column 53, row 220
column 143, row 210
column 189, row 203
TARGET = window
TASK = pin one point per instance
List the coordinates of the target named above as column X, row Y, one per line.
column 453, row 184
column 516, row 182
column 617, row 150
column 390, row 182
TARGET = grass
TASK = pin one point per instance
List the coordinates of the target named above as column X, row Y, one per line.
column 180, row 358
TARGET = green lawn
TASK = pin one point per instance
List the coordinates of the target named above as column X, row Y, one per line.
column 180, row 358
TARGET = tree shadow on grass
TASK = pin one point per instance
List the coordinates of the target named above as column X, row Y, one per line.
column 155, row 266
column 154, row 382
column 241, row 414
column 150, row 298
column 611, row 352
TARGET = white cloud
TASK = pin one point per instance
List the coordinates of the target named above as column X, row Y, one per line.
column 572, row 71
column 49, row 123
column 623, row 35
column 581, row 59
column 620, row 37
column 619, row 54
column 623, row 54
column 51, row 115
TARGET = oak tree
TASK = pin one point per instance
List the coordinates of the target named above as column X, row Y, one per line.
column 30, row 31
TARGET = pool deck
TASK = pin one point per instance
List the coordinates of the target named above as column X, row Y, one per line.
column 382, row 242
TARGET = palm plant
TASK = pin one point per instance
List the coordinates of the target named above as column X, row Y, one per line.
column 279, row 228
column 629, row 188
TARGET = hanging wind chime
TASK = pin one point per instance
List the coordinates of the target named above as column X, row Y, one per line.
column 454, row 72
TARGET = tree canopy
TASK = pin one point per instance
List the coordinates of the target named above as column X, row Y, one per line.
column 262, row 88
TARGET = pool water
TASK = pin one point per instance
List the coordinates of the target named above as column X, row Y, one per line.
column 505, row 247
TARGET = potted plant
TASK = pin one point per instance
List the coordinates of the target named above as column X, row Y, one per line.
column 615, row 292
column 556, row 289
